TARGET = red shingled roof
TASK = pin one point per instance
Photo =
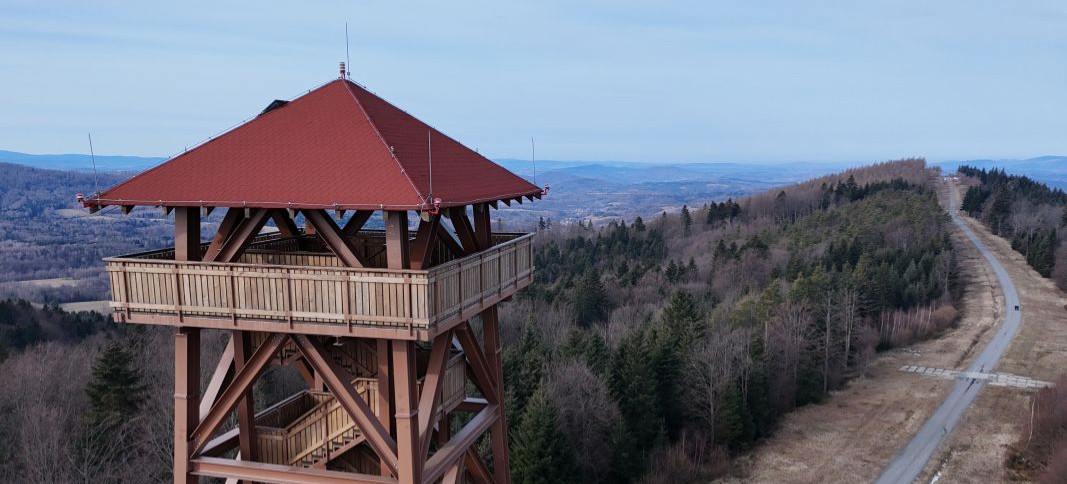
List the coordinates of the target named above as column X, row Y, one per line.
column 338, row 146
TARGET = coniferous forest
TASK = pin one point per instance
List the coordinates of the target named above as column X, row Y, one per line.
column 661, row 347
column 1027, row 213
column 647, row 350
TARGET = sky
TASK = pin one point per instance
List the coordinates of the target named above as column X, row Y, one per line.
column 701, row 81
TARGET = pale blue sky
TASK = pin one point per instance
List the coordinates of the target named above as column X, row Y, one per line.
column 610, row 80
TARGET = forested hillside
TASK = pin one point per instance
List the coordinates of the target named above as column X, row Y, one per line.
column 45, row 234
column 1028, row 213
column 661, row 347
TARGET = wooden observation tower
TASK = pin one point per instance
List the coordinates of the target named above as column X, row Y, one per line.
column 394, row 331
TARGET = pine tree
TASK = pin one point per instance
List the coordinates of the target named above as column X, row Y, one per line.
column 115, row 390
column 639, row 224
column 540, row 454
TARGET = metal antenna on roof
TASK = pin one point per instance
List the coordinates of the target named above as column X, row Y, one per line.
column 533, row 157
column 348, row 58
column 429, row 156
column 96, row 178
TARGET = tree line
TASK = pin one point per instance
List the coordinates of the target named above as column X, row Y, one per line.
column 1027, row 213
column 653, row 351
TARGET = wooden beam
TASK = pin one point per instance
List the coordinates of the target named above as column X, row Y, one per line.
column 242, row 350
column 448, row 240
column 220, row 445
column 499, row 437
column 220, row 378
column 483, row 230
column 408, row 445
column 472, row 404
column 483, row 376
column 385, row 392
column 126, row 209
column 230, row 221
column 396, row 239
column 331, row 235
column 274, row 473
column 339, row 382
column 457, row 447
column 242, row 236
column 187, row 234
column 356, row 223
column 286, row 226
column 186, row 400
column 431, row 388
column 205, row 212
column 242, row 382
column 462, row 225
column 425, row 241
column 476, row 466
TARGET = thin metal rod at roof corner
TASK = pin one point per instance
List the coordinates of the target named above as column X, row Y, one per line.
column 429, row 156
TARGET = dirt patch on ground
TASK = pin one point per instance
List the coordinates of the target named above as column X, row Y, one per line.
column 852, row 436
column 977, row 449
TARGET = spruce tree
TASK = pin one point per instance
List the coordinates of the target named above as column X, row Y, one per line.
column 683, row 320
column 687, row 220
column 590, row 300
column 540, row 453
column 115, row 390
column 639, row 225
column 524, row 369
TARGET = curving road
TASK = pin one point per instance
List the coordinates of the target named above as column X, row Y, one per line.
column 906, row 466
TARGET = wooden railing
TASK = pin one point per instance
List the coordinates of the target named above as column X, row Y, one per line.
column 296, row 289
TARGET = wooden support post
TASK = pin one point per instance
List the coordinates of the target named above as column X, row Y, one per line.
column 483, row 232
column 186, row 400
column 409, row 456
column 396, row 239
column 186, row 234
column 385, row 393
column 242, row 350
column 491, row 337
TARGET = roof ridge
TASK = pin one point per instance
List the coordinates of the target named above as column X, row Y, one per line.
column 403, row 171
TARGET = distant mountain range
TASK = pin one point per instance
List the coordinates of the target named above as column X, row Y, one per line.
column 602, row 190
column 78, row 162
column 1051, row 170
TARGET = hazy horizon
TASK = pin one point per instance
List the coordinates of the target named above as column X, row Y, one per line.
column 627, row 81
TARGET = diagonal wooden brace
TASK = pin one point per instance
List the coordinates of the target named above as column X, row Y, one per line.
column 338, row 382
column 242, row 382
column 331, row 235
column 431, row 388
column 483, row 376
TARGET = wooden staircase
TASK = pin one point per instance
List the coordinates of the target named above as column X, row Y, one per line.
column 320, row 431
column 310, row 428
